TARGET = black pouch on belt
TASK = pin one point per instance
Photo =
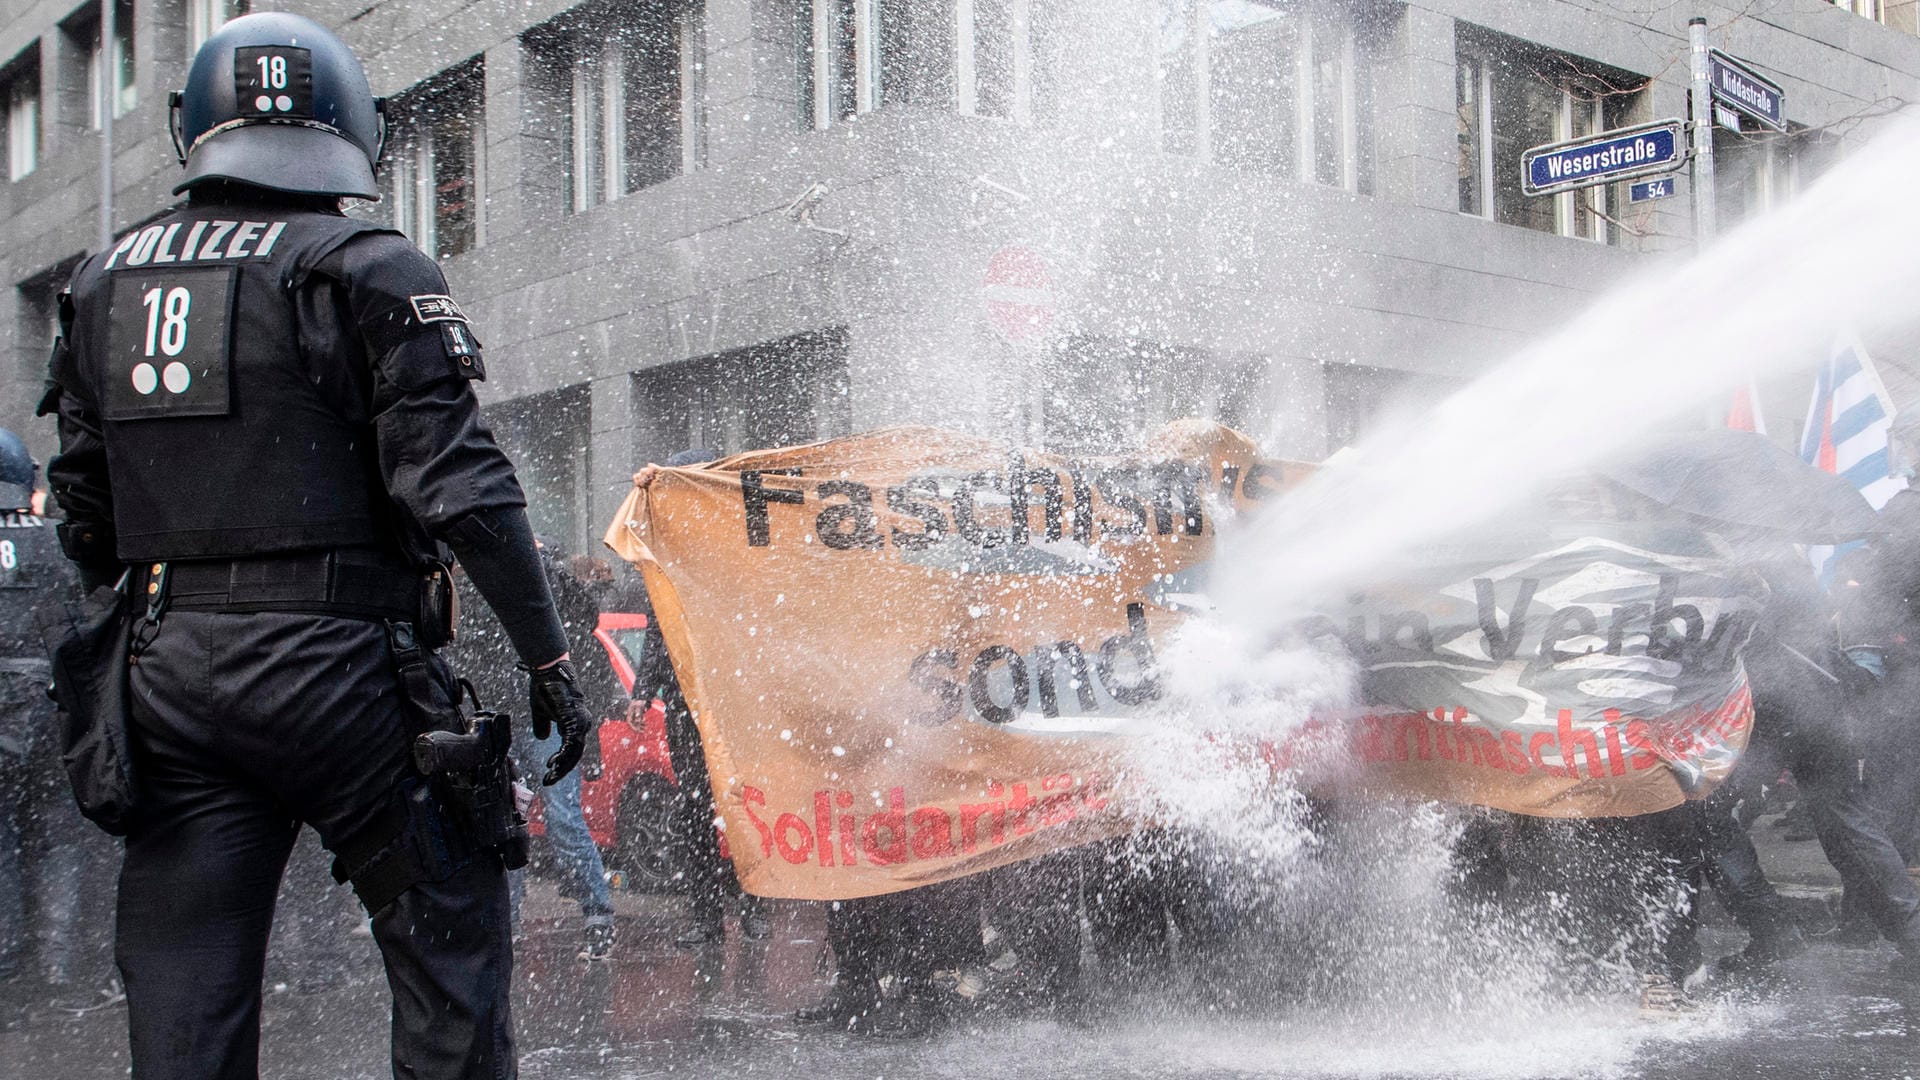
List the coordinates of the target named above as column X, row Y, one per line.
column 90, row 645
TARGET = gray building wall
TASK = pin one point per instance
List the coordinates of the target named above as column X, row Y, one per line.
column 1226, row 267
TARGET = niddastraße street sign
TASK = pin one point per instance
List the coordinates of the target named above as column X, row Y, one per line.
column 1620, row 154
column 1746, row 91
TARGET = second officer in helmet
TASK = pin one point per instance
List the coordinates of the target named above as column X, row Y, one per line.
column 266, row 411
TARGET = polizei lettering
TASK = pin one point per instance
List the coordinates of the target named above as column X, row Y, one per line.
column 196, row 242
column 995, row 508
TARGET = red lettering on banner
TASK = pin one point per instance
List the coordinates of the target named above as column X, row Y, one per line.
column 933, row 833
column 749, row 798
column 823, row 825
column 795, row 853
column 894, row 820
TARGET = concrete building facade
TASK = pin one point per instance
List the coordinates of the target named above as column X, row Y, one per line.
column 737, row 223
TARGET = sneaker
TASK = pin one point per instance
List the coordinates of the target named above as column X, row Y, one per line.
column 754, row 923
column 599, row 943
column 847, row 1001
column 1659, row 997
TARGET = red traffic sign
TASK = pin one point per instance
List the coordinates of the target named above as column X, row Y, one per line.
column 1018, row 294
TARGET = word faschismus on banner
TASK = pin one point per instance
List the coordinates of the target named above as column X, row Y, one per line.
column 1746, row 91
column 915, row 655
column 1620, row 154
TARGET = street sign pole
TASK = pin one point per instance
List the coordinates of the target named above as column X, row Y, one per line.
column 1702, row 113
column 109, row 97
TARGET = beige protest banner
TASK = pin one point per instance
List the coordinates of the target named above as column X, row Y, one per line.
column 912, row 653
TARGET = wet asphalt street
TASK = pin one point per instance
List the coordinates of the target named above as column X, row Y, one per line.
column 661, row 1011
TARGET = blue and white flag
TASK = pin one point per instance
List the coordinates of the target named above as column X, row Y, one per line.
column 1849, row 432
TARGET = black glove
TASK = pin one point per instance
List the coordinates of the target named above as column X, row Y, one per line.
column 556, row 701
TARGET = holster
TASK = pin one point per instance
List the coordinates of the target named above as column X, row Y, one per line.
column 91, row 643
column 458, row 805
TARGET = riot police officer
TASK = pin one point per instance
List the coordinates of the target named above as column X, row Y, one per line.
column 266, row 410
column 37, row 818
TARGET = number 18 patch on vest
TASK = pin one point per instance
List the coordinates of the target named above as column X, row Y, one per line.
column 169, row 351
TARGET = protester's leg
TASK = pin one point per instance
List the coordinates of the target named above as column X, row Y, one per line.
column 856, row 977
column 1125, row 909
column 1672, row 858
column 1733, row 870
column 1853, row 840
column 583, row 875
column 708, row 874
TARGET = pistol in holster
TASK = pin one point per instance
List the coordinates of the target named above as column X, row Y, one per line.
column 462, row 755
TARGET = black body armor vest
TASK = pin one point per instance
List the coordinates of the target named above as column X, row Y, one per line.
column 225, row 438
column 34, row 573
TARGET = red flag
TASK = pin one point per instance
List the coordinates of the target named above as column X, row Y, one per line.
column 1744, row 414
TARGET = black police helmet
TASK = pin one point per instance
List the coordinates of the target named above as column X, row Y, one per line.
column 16, row 473
column 276, row 101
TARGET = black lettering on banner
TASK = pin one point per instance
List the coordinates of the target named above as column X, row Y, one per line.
column 754, row 497
column 1047, row 660
column 1229, row 478
column 1574, row 621
column 169, row 343
column 901, row 501
column 1117, row 488
column 1144, row 686
column 1024, row 480
column 1623, row 616
column 1185, row 476
column 965, row 520
column 1660, row 641
column 850, row 525
column 1254, row 485
column 947, row 694
column 1407, row 624
column 981, row 694
column 1082, row 503
column 1502, row 644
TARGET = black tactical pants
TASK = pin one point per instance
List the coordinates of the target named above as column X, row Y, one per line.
column 1805, row 735
column 246, row 725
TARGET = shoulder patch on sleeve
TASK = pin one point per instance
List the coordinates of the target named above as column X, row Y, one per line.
column 433, row 307
column 464, row 349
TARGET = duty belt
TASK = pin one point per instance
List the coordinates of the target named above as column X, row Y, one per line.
column 350, row 584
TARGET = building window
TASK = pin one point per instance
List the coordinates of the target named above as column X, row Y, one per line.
column 435, row 142
column 1268, row 85
column 1510, row 98
column 206, row 17
column 1757, row 171
column 549, row 436
column 87, row 37
column 852, row 56
column 993, row 59
column 20, row 87
column 631, row 80
column 1871, row 9
column 777, row 393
